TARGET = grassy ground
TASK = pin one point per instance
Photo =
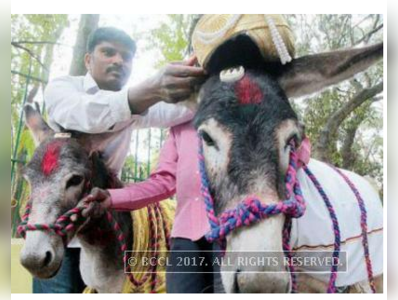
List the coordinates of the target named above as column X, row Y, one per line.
column 21, row 281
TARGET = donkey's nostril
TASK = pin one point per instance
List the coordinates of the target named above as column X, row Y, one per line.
column 236, row 288
column 47, row 259
column 36, row 261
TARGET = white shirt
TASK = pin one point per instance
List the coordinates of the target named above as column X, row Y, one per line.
column 76, row 103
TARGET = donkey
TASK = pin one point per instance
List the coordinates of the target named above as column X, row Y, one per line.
column 247, row 130
column 60, row 172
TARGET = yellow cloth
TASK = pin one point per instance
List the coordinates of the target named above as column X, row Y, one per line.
column 256, row 26
column 141, row 243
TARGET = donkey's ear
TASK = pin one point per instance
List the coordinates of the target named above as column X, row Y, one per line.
column 191, row 103
column 310, row 74
column 35, row 122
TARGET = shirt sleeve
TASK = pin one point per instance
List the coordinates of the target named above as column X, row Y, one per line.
column 164, row 115
column 105, row 111
column 90, row 113
column 159, row 186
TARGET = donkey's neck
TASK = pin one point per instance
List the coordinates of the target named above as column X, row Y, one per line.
column 101, row 176
column 101, row 263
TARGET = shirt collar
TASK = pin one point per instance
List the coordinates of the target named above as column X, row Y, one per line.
column 89, row 84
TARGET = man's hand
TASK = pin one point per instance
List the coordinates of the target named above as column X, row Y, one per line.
column 178, row 81
column 174, row 83
column 99, row 201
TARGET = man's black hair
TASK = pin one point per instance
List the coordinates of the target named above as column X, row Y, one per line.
column 109, row 34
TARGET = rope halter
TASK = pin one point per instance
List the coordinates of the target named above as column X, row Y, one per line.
column 251, row 209
column 66, row 223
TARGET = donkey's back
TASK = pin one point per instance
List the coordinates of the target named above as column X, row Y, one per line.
column 357, row 216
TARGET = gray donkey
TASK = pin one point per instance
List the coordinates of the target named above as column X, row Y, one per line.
column 60, row 172
column 247, row 127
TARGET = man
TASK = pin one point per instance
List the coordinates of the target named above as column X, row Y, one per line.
column 97, row 104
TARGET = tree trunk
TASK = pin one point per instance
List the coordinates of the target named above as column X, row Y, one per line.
column 346, row 151
column 329, row 131
column 87, row 24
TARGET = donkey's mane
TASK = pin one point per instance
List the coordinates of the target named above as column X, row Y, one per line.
column 101, row 176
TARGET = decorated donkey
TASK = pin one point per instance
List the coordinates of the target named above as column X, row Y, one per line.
column 60, row 173
column 257, row 196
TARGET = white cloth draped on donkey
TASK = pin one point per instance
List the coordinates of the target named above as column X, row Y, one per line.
column 314, row 231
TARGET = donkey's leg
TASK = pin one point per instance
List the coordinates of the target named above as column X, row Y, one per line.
column 309, row 284
column 363, row 286
column 379, row 284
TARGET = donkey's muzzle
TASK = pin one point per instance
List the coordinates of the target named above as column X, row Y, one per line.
column 40, row 257
column 37, row 261
column 262, row 282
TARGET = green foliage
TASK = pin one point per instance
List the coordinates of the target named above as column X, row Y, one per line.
column 137, row 168
column 31, row 28
column 36, row 28
column 316, row 112
column 171, row 38
column 25, row 56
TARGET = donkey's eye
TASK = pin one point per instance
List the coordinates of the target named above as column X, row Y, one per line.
column 292, row 139
column 74, row 181
column 207, row 138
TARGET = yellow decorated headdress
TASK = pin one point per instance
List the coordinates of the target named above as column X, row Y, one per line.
column 270, row 33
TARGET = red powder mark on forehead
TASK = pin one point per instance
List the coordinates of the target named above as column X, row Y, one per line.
column 248, row 91
column 50, row 160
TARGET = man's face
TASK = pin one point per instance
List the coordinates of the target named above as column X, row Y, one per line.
column 110, row 65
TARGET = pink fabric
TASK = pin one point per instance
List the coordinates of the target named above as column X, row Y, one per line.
column 177, row 172
column 304, row 152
